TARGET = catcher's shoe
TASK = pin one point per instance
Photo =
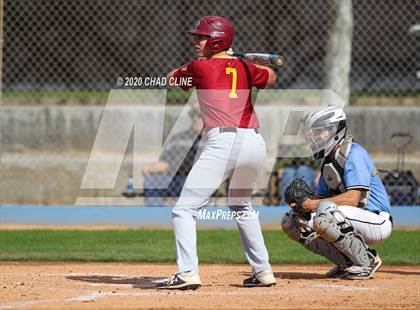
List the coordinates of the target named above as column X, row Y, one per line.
column 189, row 280
column 376, row 260
column 261, row 279
column 337, row 272
column 376, row 263
column 358, row 273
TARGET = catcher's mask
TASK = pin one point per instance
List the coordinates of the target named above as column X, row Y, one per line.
column 324, row 129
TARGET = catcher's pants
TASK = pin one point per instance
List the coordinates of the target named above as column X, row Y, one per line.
column 374, row 228
column 239, row 155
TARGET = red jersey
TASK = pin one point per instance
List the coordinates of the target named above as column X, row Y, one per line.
column 223, row 88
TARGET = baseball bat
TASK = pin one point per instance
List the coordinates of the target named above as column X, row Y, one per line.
column 262, row 59
column 394, row 173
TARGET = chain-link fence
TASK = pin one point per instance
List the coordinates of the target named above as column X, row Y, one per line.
column 401, row 185
column 86, row 45
column 63, row 47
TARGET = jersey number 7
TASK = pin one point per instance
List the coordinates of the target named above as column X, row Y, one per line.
column 232, row 71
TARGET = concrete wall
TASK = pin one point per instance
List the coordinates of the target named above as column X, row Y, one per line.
column 74, row 128
column 45, row 149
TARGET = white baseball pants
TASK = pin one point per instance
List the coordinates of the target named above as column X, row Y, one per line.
column 239, row 155
column 374, row 228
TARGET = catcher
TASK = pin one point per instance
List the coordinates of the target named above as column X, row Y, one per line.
column 350, row 208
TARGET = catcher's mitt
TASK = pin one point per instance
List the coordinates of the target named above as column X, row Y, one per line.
column 297, row 192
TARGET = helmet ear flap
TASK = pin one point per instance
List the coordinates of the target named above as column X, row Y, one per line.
column 341, row 125
column 215, row 44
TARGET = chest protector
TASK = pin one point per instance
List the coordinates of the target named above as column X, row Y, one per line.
column 333, row 171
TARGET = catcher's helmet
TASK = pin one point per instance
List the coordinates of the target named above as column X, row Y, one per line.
column 324, row 128
column 218, row 29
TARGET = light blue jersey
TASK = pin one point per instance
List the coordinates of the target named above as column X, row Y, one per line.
column 360, row 173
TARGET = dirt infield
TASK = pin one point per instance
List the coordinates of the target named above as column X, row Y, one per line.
column 130, row 286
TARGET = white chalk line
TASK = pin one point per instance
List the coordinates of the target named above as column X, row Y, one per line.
column 96, row 295
column 89, row 297
column 20, row 304
column 345, row 287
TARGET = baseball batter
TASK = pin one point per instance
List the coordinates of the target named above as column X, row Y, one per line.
column 234, row 149
column 350, row 209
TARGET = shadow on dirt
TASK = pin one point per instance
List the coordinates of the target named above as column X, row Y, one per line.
column 299, row 275
column 139, row 282
column 288, row 275
column 401, row 272
column 294, row 275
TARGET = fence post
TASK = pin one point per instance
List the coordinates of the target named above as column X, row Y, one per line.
column 338, row 58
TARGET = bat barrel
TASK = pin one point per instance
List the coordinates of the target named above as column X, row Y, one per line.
column 262, row 59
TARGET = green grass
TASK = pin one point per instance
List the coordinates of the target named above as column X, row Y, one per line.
column 157, row 246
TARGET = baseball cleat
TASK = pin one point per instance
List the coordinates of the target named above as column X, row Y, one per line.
column 376, row 263
column 261, row 279
column 358, row 273
column 337, row 273
column 189, row 280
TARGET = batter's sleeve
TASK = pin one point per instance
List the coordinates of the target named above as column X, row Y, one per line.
column 186, row 72
column 259, row 76
column 357, row 170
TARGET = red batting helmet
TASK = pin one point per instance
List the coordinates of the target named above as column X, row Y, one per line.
column 218, row 29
